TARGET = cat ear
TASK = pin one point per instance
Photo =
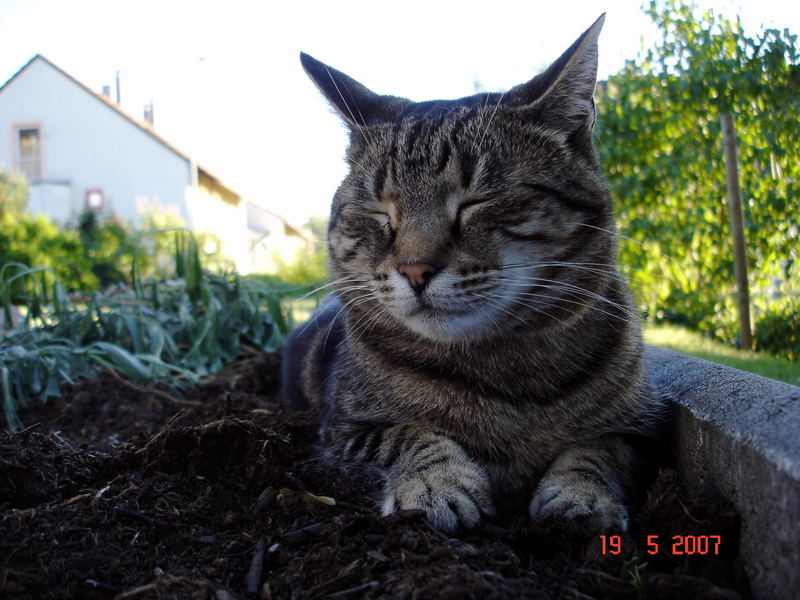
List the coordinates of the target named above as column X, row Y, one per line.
column 354, row 102
column 563, row 95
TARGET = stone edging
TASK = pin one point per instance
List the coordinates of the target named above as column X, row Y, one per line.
column 737, row 435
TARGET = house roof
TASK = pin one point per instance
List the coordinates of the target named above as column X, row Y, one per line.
column 113, row 106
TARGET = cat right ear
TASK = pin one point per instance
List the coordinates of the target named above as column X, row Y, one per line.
column 355, row 103
column 562, row 94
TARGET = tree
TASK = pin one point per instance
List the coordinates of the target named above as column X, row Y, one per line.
column 661, row 144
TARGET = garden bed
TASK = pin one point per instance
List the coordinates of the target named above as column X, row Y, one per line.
column 117, row 491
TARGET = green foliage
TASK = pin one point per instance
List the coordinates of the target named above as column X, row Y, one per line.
column 187, row 326
column 94, row 252
column 157, row 256
column 304, row 269
column 631, row 572
column 13, row 192
column 37, row 241
column 778, row 332
column 307, row 269
column 319, row 229
column 108, row 245
column 661, row 145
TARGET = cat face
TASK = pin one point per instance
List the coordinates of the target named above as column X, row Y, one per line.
column 464, row 219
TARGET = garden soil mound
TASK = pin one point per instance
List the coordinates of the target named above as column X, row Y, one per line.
column 114, row 491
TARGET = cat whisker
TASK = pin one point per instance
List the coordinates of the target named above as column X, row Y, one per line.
column 327, row 285
column 489, row 318
column 581, row 267
column 489, row 122
column 624, row 237
column 363, row 297
column 373, row 318
column 561, row 285
column 576, row 302
column 316, row 317
column 382, row 312
column 358, row 331
column 353, row 163
column 583, row 296
column 530, row 306
column 483, row 112
column 362, row 300
column 501, row 308
column 564, row 263
column 361, row 128
column 352, row 288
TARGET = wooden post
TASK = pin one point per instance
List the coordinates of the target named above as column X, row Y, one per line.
column 737, row 228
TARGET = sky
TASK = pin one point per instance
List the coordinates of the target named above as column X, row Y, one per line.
column 227, row 86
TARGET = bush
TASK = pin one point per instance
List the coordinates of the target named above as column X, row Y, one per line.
column 778, row 332
column 37, row 241
column 304, row 269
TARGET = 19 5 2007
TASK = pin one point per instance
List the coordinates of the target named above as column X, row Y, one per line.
column 677, row 545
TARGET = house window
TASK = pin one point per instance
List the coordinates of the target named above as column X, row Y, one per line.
column 30, row 152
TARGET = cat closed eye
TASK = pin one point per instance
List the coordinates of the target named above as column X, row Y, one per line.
column 467, row 209
column 473, row 202
column 382, row 218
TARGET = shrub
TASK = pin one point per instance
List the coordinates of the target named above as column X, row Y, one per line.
column 778, row 332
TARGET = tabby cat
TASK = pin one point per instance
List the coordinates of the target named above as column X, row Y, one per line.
column 479, row 348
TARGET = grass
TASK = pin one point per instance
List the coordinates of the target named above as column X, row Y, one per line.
column 696, row 344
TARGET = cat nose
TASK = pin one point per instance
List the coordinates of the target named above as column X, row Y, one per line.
column 418, row 274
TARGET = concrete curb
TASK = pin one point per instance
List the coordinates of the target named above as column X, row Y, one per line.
column 737, row 435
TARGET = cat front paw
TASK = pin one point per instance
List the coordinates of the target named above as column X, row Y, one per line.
column 589, row 504
column 452, row 494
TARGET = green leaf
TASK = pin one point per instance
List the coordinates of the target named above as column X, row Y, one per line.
column 119, row 359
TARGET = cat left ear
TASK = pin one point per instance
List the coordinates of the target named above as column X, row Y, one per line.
column 354, row 102
column 563, row 95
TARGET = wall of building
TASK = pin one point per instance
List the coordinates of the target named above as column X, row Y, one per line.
column 206, row 212
column 87, row 145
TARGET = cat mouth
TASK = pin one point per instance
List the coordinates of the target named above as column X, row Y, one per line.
column 424, row 308
column 442, row 323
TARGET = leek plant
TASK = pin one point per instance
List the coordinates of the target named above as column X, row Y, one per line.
column 170, row 331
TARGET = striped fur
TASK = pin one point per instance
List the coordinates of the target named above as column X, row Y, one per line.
column 508, row 371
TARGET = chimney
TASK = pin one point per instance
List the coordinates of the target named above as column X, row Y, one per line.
column 148, row 114
column 107, row 91
column 118, row 97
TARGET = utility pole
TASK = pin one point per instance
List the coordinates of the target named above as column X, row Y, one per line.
column 737, row 229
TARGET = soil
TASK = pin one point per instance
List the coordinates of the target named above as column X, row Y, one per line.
column 114, row 491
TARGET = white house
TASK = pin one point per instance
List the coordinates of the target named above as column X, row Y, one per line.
column 79, row 150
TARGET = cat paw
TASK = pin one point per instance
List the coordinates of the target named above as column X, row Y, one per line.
column 452, row 495
column 588, row 504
